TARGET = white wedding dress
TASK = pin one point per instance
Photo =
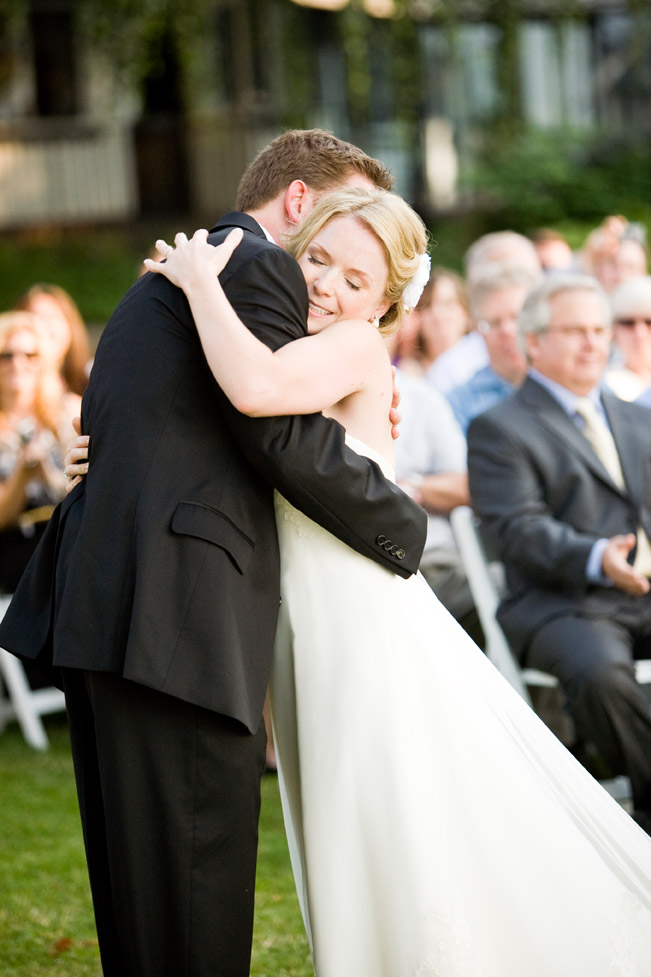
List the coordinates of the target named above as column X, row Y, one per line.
column 436, row 827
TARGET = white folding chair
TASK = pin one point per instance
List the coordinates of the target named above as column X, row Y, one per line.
column 482, row 582
column 19, row 702
column 481, row 576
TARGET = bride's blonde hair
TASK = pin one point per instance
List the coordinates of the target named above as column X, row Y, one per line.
column 399, row 229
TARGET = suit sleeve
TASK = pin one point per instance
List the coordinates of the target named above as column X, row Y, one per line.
column 508, row 493
column 305, row 457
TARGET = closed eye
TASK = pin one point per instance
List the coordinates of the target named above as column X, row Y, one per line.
column 352, row 285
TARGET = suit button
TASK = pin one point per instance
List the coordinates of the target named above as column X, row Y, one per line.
column 401, row 554
column 394, row 550
column 381, row 540
column 387, row 545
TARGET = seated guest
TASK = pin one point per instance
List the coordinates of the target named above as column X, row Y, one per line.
column 486, row 255
column 499, row 248
column 632, row 255
column 67, row 334
column 631, row 307
column 34, row 427
column 614, row 252
column 554, row 253
column 560, row 477
column 431, row 467
column 495, row 302
column 438, row 322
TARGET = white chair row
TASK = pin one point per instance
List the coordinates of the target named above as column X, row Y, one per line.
column 20, row 703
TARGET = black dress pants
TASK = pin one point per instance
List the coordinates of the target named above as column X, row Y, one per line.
column 593, row 659
column 169, row 795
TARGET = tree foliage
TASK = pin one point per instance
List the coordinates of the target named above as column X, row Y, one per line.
column 542, row 177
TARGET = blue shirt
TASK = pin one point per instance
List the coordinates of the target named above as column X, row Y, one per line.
column 485, row 389
column 645, row 398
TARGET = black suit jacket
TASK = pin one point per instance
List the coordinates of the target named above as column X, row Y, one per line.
column 544, row 498
column 163, row 566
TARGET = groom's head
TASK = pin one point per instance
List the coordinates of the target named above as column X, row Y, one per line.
column 289, row 176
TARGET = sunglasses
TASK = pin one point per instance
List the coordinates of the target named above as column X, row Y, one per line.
column 631, row 323
column 8, row 355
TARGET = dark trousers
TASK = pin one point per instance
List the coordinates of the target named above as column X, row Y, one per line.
column 593, row 659
column 169, row 795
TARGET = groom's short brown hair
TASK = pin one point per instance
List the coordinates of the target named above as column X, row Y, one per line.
column 315, row 156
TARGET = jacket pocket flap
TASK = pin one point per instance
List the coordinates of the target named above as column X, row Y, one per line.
column 195, row 519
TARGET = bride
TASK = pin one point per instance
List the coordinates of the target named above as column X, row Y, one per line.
column 436, row 827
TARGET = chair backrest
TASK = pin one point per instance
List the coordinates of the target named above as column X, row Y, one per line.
column 483, row 587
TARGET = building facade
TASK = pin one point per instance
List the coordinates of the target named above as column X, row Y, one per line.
column 110, row 119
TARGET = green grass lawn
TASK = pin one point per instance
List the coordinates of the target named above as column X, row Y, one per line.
column 95, row 265
column 46, row 921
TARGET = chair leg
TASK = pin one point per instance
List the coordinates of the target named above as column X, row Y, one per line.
column 25, row 703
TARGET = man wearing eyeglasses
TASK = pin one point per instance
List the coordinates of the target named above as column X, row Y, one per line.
column 496, row 298
column 560, row 475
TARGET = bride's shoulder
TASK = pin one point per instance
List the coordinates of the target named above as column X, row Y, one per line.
column 357, row 329
column 357, row 340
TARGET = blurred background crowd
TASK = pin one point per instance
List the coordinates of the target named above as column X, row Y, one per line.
column 461, row 352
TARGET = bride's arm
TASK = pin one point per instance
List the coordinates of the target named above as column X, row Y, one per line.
column 302, row 377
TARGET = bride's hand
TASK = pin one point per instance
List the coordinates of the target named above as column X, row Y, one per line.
column 188, row 262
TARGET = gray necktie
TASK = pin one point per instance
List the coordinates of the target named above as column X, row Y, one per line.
column 602, row 441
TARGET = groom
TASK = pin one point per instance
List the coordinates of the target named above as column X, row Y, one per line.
column 156, row 588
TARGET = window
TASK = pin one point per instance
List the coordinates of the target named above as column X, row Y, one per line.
column 55, row 69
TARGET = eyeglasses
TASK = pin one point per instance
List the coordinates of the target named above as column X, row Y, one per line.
column 633, row 321
column 485, row 326
column 7, row 356
column 582, row 332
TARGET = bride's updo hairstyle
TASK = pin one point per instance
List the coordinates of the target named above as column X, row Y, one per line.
column 399, row 229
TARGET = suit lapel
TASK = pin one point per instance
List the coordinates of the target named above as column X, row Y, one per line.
column 632, row 460
column 556, row 420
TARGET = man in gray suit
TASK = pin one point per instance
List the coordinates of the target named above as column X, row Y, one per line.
column 560, row 475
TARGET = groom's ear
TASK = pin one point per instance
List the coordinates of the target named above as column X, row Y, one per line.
column 298, row 201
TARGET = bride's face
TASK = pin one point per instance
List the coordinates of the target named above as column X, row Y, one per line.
column 346, row 274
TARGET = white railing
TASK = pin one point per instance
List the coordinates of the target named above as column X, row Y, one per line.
column 73, row 178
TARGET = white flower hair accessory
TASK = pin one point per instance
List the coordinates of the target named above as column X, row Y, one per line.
column 414, row 288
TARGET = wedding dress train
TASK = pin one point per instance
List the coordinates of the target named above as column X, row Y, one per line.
column 436, row 827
